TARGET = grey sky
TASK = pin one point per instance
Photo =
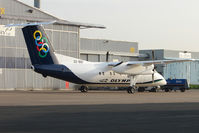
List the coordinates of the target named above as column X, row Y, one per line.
column 168, row 24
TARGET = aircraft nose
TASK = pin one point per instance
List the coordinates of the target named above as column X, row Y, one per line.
column 164, row 82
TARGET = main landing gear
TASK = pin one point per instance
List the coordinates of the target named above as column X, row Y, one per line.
column 83, row 89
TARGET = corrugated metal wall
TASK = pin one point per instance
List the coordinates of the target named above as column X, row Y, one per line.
column 187, row 70
column 15, row 72
column 178, row 71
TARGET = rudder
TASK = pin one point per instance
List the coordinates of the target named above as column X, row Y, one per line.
column 39, row 46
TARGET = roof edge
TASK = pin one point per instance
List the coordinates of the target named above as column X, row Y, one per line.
column 65, row 22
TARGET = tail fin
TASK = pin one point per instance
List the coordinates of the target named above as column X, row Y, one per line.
column 39, row 46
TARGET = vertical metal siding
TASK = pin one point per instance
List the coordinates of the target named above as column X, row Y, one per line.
column 93, row 58
column 194, row 72
column 178, row 70
column 2, row 78
column 84, row 57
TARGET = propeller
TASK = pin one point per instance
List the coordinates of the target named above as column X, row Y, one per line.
column 153, row 58
column 107, row 56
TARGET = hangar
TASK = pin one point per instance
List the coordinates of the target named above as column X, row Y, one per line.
column 15, row 72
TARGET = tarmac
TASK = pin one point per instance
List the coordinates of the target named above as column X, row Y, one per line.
column 99, row 112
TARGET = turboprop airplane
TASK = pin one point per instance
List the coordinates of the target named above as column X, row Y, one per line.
column 48, row 63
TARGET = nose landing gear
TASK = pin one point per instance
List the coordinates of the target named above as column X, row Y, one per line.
column 131, row 90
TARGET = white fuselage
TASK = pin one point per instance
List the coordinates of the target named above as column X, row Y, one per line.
column 100, row 74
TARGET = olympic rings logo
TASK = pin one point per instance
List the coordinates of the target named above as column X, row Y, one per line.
column 41, row 43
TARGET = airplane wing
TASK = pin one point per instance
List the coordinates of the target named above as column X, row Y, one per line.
column 142, row 67
column 157, row 62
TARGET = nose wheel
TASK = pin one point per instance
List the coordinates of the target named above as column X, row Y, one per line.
column 131, row 90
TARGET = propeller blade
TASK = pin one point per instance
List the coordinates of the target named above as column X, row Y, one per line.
column 153, row 55
column 153, row 58
column 107, row 56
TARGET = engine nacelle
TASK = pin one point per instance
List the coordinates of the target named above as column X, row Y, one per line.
column 134, row 69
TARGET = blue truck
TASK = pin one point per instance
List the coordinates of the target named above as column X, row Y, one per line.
column 176, row 84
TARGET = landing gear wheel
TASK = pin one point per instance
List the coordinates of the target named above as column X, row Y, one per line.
column 182, row 89
column 166, row 90
column 131, row 90
column 141, row 89
column 154, row 90
column 83, row 89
